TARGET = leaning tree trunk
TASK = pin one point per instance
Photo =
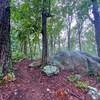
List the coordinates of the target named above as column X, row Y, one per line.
column 5, row 52
column 96, row 24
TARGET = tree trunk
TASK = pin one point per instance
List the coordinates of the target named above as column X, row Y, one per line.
column 59, row 45
column 44, row 39
column 69, row 39
column 79, row 40
column 25, row 48
column 96, row 24
column 51, row 45
column 34, row 49
column 30, row 47
column 69, row 31
column 5, row 49
column 79, row 35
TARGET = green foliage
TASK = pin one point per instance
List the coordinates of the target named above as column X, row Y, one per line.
column 90, row 73
column 73, row 78
column 26, row 26
column 1, row 82
column 1, row 76
column 7, row 78
column 98, row 78
column 17, row 56
column 81, row 84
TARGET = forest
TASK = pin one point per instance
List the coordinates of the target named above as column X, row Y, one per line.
column 49, row 49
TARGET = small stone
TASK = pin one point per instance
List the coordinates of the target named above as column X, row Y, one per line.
column 15, row 93
column 48, row 89
column 92, row 88
column 99, row 93
column 95, row 94
column 50, row 70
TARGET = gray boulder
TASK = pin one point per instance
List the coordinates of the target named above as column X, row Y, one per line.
column 63, row 61
column 80, row 62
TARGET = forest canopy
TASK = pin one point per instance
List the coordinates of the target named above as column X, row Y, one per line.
column 69, row 18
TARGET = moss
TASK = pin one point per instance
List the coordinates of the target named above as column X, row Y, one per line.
column 81, row 84
column 73, row 78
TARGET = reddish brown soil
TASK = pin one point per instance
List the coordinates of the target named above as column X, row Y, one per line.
column 31, row 84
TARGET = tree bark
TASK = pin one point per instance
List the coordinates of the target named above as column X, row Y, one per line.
column 30, row 47
column 59, row 44
column 5, row 48
column 79, row 40
column 69, row 39
column 96, row 24
column 25, row 48
column 51, row 45
column 69, row 32
column 79, row 34
column 44, row 39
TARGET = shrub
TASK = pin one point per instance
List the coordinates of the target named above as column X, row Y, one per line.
column 17, row 56
column 98, row 78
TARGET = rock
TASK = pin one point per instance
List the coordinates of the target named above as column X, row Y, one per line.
column 71, row 61
column 50, row 70
column 63, row 61
column 80, row 62
column 94, row 92
column 97, row 59
column 78, row 76
column 94, row 66
column 36, row 63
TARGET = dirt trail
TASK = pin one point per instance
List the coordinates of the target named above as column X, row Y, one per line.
column 31, row 84
column 32, row 89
